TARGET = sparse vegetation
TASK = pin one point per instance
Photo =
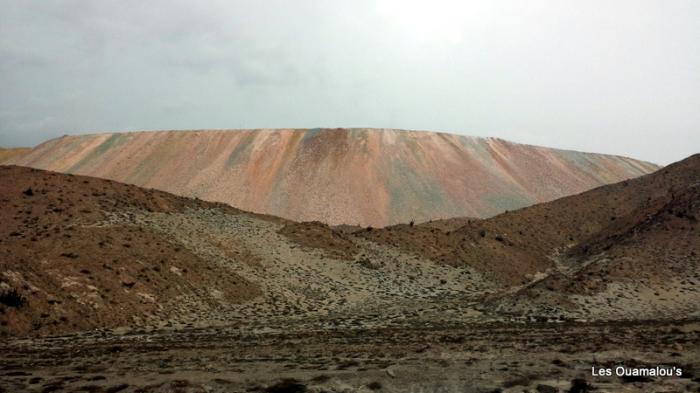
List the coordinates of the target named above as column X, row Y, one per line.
column 579, row 385
column 367, row 264
column 321, row 307
column 12, row 298
column 287, row 386
column 546, row 389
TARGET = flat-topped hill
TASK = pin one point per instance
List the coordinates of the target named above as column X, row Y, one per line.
column 361, row 177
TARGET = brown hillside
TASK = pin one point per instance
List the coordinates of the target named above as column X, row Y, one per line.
column 513, row 246
column 88, row 253
column 317, row 235
column 77, row 273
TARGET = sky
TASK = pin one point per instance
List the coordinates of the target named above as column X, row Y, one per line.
column 619, row 77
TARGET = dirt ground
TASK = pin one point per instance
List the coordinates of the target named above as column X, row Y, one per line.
column 416, row 356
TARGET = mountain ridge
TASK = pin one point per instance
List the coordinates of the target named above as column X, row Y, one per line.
column 357, row 176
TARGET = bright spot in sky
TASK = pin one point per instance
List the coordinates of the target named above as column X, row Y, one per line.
column 443, row 21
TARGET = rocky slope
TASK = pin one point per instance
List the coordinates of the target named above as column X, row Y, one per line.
column 338, row 176
column 71, row 270
column 88, row 253
column 79, row 253
column 627, row 250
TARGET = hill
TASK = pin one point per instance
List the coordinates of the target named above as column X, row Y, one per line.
column 80, row 253
column 110, row 287
column 75, row 271
column 7, row 154
column 626, row 250
column 91, row 253
column 338, row 176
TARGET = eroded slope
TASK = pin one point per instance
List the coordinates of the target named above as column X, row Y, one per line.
column 360, row 177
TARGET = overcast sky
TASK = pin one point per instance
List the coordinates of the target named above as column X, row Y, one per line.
column 618, row 77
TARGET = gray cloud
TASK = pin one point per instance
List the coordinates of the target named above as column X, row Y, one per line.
column 614, row 77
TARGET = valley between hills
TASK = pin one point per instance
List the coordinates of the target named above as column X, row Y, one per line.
column 112, row 287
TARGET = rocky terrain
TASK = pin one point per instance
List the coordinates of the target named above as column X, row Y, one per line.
column 77, row 271
column 109, row 287
column 629, row 250
column 362, row 177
